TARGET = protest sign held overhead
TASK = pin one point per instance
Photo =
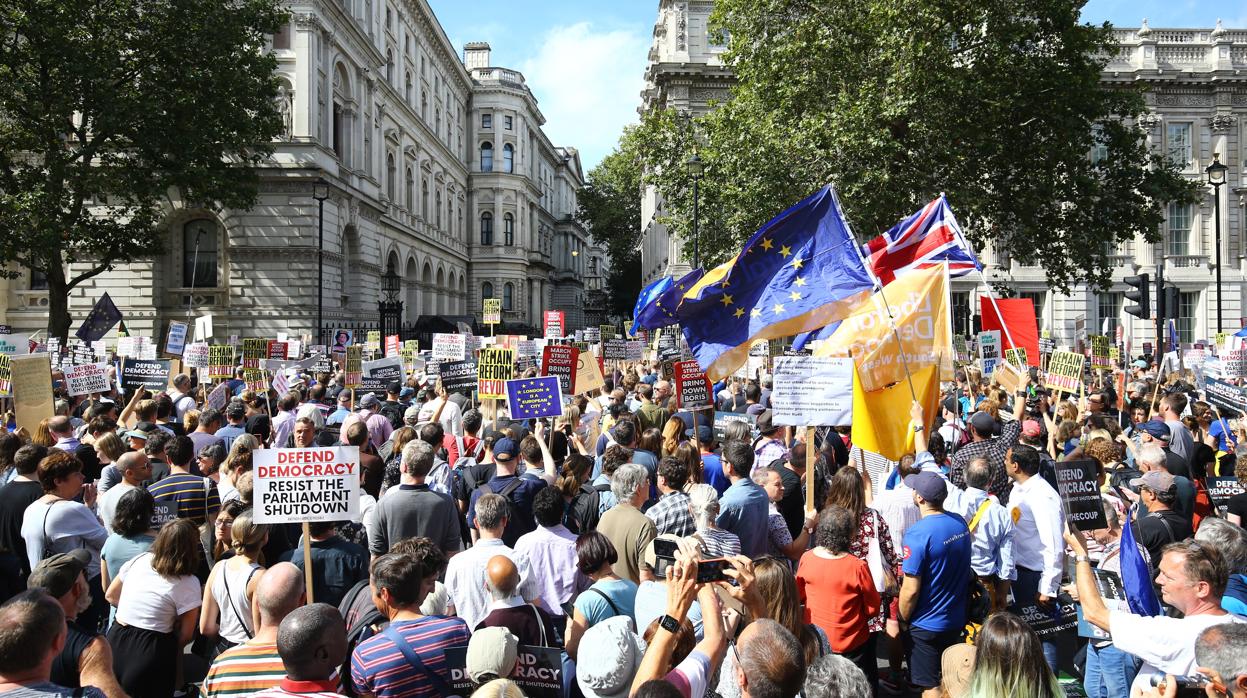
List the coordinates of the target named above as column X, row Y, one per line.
column 372, row 341
column 152, row 375
column 492, row 311
column 615, row 350
column 197, row 355
column 457, row 376
column 588, row 373
column 449, row 347
column 692, row 389
column 354, row 367
column 378, row 374
column 296, row 485
column 560, row 361
column 278, row 350
column 175, row 341
column 494, row 368
column 1017, row 356
column 812, row 391
column 85, row 379
column 254, row 350
column 552, row 322
column 1221, row 489
column 14, row 344
column 203, row 328
column 393, row 345
column 220, row 361
column 6, row 376
column 1099, row 352
column 1064, row 371
column 1230, row 399
column 1080, row 494
column 990, row 351
column 533, row 398
column 31, row 376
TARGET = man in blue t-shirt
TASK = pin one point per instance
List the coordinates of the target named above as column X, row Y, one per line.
column 937, row 576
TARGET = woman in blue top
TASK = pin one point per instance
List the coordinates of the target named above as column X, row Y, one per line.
column 608, row 596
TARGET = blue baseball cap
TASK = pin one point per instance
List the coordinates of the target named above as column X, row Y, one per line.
column 930, row 486
column 505, row 447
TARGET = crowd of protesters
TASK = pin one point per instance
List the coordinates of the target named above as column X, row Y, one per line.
column 655, row 553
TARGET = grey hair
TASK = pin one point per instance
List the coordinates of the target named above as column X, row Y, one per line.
column 1110, row 515
column 1220, row 648
column 629, row 478
column 833, row 676
column 737, row 431
column 1152, row 455
column 417, row 458
column 978, row 473
column 703, row 504
column 491, row 510
column 1227, row 538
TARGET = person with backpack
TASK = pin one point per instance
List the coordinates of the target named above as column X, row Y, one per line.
column 392, row 407
column 517, row 490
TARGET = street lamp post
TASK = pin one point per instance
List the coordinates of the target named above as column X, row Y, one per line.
column 695, row 168
column 320, row 192
column 1216, row 177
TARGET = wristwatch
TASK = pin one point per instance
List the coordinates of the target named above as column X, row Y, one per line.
column 1081, row 558
column 669, row 624
column 918, row 428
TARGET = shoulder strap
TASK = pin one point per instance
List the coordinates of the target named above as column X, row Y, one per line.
column 540, row 623
column 978, row 515
column 1156, row 515
column 511, row 487
column 610, row 603
column 439, row 684
column 229, row 598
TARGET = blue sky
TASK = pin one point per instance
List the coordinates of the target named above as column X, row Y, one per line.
column 585, row 59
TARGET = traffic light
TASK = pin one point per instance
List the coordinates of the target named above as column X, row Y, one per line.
column 1140, row 295
column 1171, row 302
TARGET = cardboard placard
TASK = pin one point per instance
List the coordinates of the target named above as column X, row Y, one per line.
column 1076, row 483
column 175, row 341
column 560, row 361
column 449, row 347
column 457, row 376
column 354, row 367
column 6, row 376
column 294, row 485
column 552, row 322
column 32, row 389
column 1008, row 377
column 85, row 379
column 534, row 398
column 588, row 373
column 1221, row 489
column 494, row 367
column 692, row 389
column 812, row 391
column 492, row 311
column 1064, row 371
column 152, row 375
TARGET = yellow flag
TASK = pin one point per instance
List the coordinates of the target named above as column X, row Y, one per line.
column 881, row 417
column 919, row 303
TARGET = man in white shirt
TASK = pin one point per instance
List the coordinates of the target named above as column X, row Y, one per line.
column 1038, row 552
column 1180, row 440
column 465, row 573
column 991, row 546
column 135, row 469
column 451, row 415
column 183, row 401
column 1192, row 578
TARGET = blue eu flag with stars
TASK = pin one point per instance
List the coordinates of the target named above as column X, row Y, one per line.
column 100, row 320
column 801, row 271
column 662, row 312
column 648, row 295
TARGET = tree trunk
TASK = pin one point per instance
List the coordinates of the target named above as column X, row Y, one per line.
column 58, row 307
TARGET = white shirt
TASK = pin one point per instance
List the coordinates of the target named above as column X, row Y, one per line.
column 465, row 579
column 898, row 510
column 1166, row 645
column 1038, row 529
column 452, row 416
column 152, row 601
column 106, row 507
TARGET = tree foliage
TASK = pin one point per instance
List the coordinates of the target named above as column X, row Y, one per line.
column 137, row 103
column 997, row 103
column 609, row 204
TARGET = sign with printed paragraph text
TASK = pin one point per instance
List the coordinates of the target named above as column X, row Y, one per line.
column 175, row 342
column 492, row 314
column 85, row 379
column 1076, row 483
column 1064, row 371
column 692, row 389
column 494, row 367
column 553, row 324
column 812, row 391
column 560, row 360
column 534, row 398
column 293, row 485
column 152, row 375
column 615, row 350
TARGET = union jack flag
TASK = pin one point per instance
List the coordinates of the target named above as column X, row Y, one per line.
column 926, row 238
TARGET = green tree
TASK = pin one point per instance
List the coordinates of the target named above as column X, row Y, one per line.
column 143, row 104
column 609, row 204
column 996, row 103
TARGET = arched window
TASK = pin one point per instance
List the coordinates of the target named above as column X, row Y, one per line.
column 410, row 190
column 437, row 209
column 508, row 230
column 508, row 296
column 199, row 254
column 424, row 199
column 508, row 158
column 390, row 175
column 487, row 157
column 487, row 290
column 487, row 228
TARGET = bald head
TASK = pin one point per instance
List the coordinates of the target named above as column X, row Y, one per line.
column 312, row 642
column 61, row 426
column 279, row 592
column 502, row 577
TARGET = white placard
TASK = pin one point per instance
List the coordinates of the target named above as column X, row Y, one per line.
column 14, row 344
column 449, row 347
column 176, row 341
column 196, row 355
column 293, row 485
column 203, row 328
column 990, row 351
column 812, row 391
column 85, row 379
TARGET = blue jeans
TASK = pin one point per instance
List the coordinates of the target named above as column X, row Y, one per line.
column 1109, row 672
column 1025, row 590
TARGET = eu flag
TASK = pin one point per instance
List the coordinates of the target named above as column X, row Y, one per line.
column 99, row 321
column 662, row 312
column 801, row 271
column 1136, row 575
column 649, row 294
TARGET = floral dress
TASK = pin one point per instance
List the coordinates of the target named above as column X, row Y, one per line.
column 872, row 525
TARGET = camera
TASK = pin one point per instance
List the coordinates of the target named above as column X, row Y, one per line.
column 1188, row 686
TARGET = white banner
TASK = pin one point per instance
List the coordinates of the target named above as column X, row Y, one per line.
column 196, row 355
column 85, row 379
column 449, row 347
column 14, row 344
column 293, row 485
column 812, row 391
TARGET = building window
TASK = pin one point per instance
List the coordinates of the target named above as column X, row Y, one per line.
column 339, row 130
column 961, row 314
column 199, row 254
column 437, row 208
column 487, row 120
column 424, row 105
column 593, row 265
column 424, row 199
column 437, row 121
column 487, row 157
column 1178, row 144
column 1180, row 228
column 38, row 280
column 1109, row 311
column 389, row 19
column 411, row 190
column 390, row 175
column 508, row 158
column 508, row 296
column 487, row 290
column 487, row 228
column 507, row 122
column 508, row 230
column 1188, row 305
column 389, row 67
column 281, row 40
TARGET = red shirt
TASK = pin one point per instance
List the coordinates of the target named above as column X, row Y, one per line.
column 839, row 597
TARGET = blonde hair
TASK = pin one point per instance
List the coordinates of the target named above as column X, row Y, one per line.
column 247, row 536
column 190, row 420
column 110, row 445
column 245, row 443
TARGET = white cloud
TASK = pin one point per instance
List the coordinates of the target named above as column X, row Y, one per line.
column 588, row 85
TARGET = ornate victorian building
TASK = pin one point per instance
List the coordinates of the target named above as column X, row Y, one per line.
column 437, row 171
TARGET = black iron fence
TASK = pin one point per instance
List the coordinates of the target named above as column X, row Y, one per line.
column 422, row 330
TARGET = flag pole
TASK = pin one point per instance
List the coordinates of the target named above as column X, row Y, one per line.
column 982, row 277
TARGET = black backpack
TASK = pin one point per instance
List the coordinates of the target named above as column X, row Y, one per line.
column 393, row 412
column 584, row 514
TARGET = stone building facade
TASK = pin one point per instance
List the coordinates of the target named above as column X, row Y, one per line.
column 378, row 104
column 1196, row 82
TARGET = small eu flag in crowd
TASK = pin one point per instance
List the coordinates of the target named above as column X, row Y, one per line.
column 99, row 321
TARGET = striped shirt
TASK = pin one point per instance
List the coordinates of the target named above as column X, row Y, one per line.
column 379, row 668
column 196, row 496
column 290, row 688
column 244, row 669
